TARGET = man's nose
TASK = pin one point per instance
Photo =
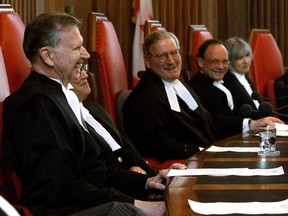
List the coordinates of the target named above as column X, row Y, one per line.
column 84, row 53
column 170, row 58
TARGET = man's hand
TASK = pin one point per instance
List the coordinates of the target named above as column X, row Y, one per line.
column 156, row 181
column 137, row 169
column 255, row 124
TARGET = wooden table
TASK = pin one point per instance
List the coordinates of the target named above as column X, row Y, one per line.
column 229, row 188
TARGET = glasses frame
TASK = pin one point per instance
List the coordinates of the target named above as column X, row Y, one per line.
column 216, row 62
column 162, row 57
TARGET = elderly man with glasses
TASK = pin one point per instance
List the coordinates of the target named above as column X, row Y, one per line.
column 164, row 117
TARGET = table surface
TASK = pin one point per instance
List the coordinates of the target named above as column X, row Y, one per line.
column 229, row 188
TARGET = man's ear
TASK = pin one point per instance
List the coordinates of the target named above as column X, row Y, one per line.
column 47, row 55
column 147, row 62
column 200, row 61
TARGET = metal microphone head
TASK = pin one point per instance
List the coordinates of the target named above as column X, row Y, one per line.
column 265, row 109
column 279, row 84
column 246, row 110
column 255, row 95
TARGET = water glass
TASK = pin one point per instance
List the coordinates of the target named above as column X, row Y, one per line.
column 267, row 138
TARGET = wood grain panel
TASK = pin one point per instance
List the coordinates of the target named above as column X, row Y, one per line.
column 223, row 18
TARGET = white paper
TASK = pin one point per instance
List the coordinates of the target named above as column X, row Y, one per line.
column 227, row 172
column 7, row 207
column 252, row 208
column 233, row 149
column 282, row 133
column 281, row 127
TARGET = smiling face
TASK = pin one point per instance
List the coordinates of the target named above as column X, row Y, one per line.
column 165, row 60
column 215, row 61
column 80, row 84
column 69, row 55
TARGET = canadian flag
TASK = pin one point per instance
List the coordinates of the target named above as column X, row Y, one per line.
column 142, row 11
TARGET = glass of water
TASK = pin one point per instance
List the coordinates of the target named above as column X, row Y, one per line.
column 267, row 139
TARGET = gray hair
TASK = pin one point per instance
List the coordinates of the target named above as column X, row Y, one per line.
column 46, row 30
column 154, row 37
column 237, row 48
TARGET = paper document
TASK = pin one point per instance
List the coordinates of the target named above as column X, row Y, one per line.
column 233, row 149
column 281, row 127
column 227, row 172
column 252, row 208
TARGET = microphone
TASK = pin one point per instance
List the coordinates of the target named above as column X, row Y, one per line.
column 256, row 96
column 280, row 85
column 246, row 110
column 265, row 109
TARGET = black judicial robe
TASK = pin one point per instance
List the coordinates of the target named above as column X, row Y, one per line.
column 59, row 163
column 157, row 131
column 211, row 97
column 125, row 157
column 240, row 95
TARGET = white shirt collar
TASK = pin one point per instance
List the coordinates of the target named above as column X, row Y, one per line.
column 218, row 84
column 177, row 87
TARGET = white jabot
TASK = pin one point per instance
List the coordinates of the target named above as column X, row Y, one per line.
column 74, row 103
column 242, row 79
column 219, row 85
column 99, row 128
column 176, row 87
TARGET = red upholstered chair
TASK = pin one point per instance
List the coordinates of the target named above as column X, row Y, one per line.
column 11, row 37
column 267, row 64
column 4, row 87
column 197, row 34
column 14, row 67
column 106, row 64
column 8, row 179
column 152, row 25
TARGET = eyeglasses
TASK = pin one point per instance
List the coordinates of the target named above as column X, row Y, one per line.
column 162, row 57
column 215, row 62
column 82, row 68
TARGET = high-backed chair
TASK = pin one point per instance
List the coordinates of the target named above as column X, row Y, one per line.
column 4, row 92
column 152, row 25
column 267, row 64
column 8, row 179
column 6, row 8
column 11, row 37
column 14, row 68
column 197, row 34
column 106, row 64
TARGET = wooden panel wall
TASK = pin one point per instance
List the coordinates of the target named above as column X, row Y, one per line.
column 223, row 18
column 26, row 9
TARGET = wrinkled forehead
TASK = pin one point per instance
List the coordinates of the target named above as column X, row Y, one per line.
column 217, row 51
column 164, row 45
